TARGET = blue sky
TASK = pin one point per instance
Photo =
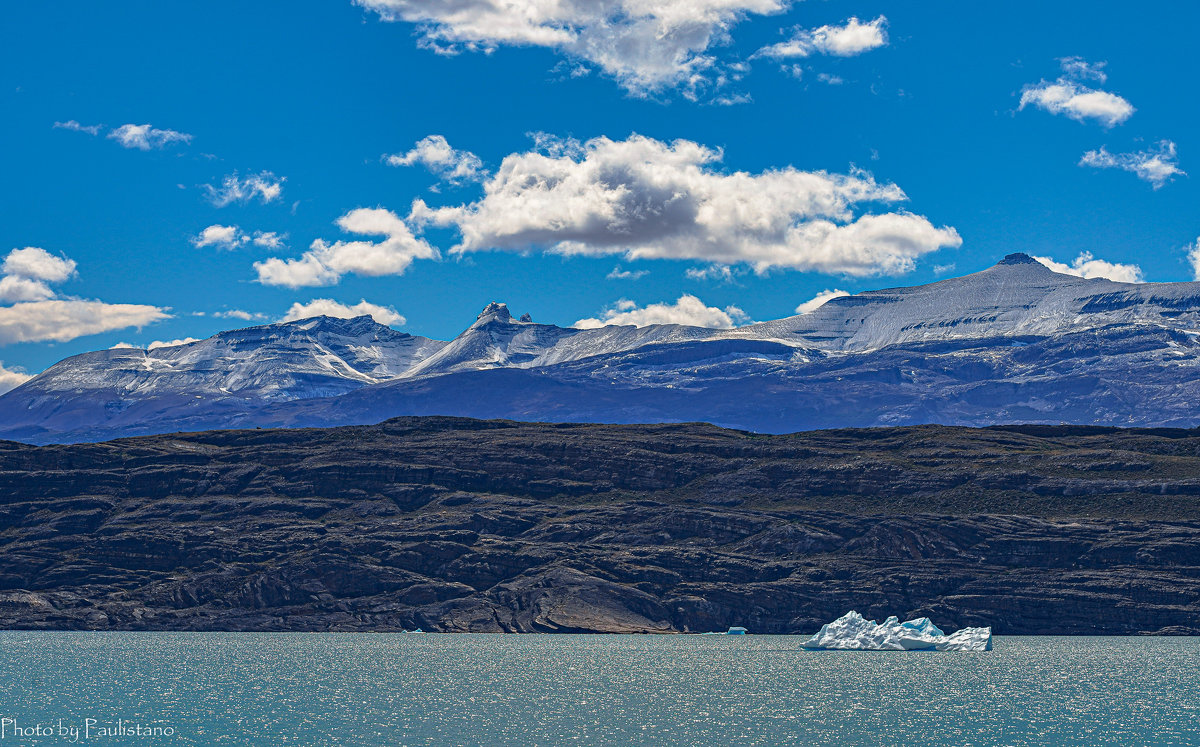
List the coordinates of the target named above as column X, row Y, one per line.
column 684, row 167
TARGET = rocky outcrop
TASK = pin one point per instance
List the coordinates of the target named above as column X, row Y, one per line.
column 461, row 525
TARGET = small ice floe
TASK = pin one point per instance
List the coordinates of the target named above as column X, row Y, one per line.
column 731, row 631
column 852, row 632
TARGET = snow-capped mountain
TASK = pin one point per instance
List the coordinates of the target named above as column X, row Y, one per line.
column 496, row 340
column 1013, row 343
column 1019, row 296
column 230, row 372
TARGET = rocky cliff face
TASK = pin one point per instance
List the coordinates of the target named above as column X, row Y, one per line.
column 460, row 525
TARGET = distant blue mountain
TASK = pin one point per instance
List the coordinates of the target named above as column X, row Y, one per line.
column 1013, row 343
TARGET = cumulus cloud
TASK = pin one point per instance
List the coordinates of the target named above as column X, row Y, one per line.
column 721, row 273
column 435, row 154
column 820, row 300
column 1193, row 257
column 14, row 288
column 1157, row 166
column 648, row 199
column 1087, row 266
column 1080, row 69
column 11, row 378
column 645, row 46
column 38, row 264
column 140, row 137
column 264, row 186
column 618, row 274
column 36, row 314
column 238, row 314
column 852, row 38
column 325, row 263
column 28, row 273
column 146, row 137
column 231, row 237
column 1071, row 99
column 687, row 310
column 222, row 237
column 267, row 239
column 328, row 307
column 61, row 320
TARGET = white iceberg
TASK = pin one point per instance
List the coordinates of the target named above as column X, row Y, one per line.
column 852, row 632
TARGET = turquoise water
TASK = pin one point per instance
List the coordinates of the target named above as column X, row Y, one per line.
column 364, row 689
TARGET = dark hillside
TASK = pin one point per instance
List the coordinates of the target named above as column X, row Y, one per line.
column 453, row 524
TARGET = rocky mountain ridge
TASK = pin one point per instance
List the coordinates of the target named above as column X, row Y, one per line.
column 1013, row 343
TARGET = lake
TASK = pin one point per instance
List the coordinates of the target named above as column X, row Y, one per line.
column 363, row 689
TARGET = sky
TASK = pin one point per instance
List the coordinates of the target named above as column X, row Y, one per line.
column 176, row 169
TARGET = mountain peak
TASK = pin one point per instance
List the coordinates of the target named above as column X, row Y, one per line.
column 1018, row 258
column 494, row 312
column 335, row 324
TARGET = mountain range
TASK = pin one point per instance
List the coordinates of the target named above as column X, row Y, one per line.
column 1015, row 343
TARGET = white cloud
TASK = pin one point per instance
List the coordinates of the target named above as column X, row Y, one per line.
column 820, row 300
column 646, row 46
column 38, row 264
column 1193, row 257
column 74, row 126
column 1080, row 69
column 618, row 274
column 1087, row 266
column 36, row 315
column 26, row 274
column 830, row 80
column 328, row 307
column 852, row 38
column 146, row 137
column 722, row 273
column 324, row 263
column 264, row 186
column 238, row 314
column 435, row 154
column 172, row 343
column 1078, row 102
column 1157, row 166
column 687, row 310
column 231, row 237
column 222, row 237
column 140, row 137
column 11, row 378
column 66, row 319
column 268, row 239
column 648, row 199
column 15, row 288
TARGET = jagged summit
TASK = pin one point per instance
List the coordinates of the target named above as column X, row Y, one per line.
column 493, row 312
column 1018, row 258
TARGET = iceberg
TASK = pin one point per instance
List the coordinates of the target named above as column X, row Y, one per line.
column 853, row 632
column 731, row 631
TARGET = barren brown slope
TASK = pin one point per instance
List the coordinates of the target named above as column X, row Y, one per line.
column 455, row 524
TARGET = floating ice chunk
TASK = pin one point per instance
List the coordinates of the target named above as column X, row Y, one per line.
column 852, row 632
column 731, row 631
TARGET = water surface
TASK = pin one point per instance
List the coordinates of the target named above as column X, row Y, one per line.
column 356, row 689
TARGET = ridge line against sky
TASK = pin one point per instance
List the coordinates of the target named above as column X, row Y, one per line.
column 706, row 161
